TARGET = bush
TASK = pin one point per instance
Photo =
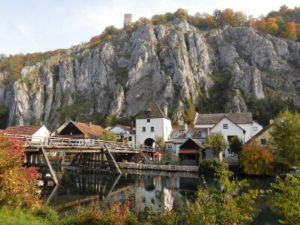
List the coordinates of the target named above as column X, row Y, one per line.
column 257, row 160
column 285, row 198
column 17, row 184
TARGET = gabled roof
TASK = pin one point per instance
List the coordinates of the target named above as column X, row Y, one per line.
column 89, row 130
column 237, row 118
column 22, row 130
column 225, row 117
column 195, row 141
column 152, row 110
column 259, row 133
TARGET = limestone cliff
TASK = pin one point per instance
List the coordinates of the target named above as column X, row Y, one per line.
column 169, row 63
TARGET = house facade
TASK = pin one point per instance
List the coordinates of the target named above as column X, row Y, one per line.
column 262, row 138
column 181, row 134
column 78, row 130
column 37, row 133
column 125, row 134
column 152, row 123
column 240, row 125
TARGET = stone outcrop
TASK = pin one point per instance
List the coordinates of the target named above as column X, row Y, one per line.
column 169, row 63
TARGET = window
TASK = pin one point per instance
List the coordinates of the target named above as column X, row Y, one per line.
column 169, row 147
column 152, row 129
column 144, row 129
column 129, row 138
column 148, row 120
column 225, row 126
column 263, row 141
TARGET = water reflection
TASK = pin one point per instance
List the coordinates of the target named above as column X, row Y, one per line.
column 153, row 189
column 143, row 190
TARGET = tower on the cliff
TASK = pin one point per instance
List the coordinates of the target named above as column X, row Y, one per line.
column 127, row 19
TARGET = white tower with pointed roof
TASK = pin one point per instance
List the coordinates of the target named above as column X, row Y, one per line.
column 152, row 123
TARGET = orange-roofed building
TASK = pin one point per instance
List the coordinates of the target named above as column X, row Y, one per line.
column 79, row 130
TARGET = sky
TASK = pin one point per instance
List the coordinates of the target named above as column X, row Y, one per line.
column 28, row 26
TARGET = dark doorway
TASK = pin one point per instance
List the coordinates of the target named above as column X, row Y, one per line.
column 149, row 142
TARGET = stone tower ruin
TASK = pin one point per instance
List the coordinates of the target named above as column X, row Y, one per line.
column 127, row 19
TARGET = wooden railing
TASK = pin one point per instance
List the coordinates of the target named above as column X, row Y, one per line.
column 60, row 143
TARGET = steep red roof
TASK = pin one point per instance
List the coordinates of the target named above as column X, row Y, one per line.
column 22, row 130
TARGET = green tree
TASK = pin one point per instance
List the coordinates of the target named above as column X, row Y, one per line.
column 216, row 142
column 285, row 198
column 160, row 142
column 222, row 204
column 108, row 136
column 286, row 138
column 189, row 112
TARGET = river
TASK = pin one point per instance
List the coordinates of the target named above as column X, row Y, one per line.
column 143, row 189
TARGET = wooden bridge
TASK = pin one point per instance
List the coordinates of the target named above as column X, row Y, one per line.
column 90, row 154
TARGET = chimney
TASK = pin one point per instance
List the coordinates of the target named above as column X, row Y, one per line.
column 185, row 127
column 166, row 109
column 131, row 125
column 90, row 124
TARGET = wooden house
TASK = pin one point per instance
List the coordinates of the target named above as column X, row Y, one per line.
column 79, row 130
column 190, row 152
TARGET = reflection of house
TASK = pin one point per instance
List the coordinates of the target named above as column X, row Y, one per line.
column 180, row 135
column 262, row 138
column 37, row 133
column 240, row 125
column 190, row 152
column 79, row 130
column 125, row 134
column 152, row 123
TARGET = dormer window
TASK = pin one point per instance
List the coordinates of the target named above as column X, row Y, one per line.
column 225, row 126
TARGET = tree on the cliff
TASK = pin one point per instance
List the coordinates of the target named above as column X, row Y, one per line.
column 286, row 138
column 17, row 184
column 290, row 31
column 189, row 112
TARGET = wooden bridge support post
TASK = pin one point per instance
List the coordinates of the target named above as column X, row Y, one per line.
column 52, row 172
column 113, row 159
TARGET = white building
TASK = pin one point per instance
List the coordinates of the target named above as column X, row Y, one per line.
column 240, row 125
column 151, row 124
column 37, row 133
column 125, row 134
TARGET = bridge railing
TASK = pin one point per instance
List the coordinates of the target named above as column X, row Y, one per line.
column 58, row 142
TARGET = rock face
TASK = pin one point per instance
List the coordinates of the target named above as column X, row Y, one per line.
column 169, row 63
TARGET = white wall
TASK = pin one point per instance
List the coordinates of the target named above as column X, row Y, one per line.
column 125, row 133
column 232, row 130
column 162, row 128
column 41, row 135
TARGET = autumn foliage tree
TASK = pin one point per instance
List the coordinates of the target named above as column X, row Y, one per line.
column 17, row 184
column 256, row 160
column 290, row 31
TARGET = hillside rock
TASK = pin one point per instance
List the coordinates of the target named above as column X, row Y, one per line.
column 169, row 63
